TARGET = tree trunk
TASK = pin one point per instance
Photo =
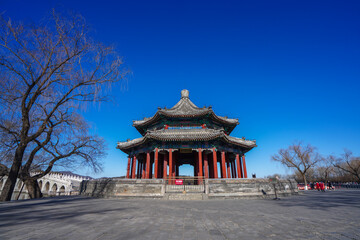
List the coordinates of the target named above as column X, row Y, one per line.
column 326, row 180
column 22, row 187
column 305, row 182
column 9, row 186
column 33, row 188
column 358, row 177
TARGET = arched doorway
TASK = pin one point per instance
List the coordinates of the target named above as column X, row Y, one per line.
column 47, row 187
column 62, row 190
column 54, row 189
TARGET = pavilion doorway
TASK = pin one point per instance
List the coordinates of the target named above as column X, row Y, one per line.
column 178, row 183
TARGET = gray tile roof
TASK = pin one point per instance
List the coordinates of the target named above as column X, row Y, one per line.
column 184, row 134
column 185, row 108
column 167, row 135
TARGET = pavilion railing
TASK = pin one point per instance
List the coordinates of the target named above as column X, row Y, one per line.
column 185, row 184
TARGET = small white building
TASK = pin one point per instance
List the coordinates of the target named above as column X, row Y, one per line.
column 52, row 184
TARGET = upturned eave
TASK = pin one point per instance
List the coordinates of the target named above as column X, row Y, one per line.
column 186, row 135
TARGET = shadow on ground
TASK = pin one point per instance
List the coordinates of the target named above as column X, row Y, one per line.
column 323, row 200
column 48, row 209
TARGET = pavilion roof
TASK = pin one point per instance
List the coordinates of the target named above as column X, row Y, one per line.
column 167, row 135
column 185, row 108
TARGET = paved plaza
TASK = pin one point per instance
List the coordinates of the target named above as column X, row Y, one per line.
column 313, row 215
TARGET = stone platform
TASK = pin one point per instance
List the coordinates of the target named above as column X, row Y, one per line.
column 313, row 215
column 211, row 189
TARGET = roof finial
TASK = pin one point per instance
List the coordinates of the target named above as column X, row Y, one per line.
column 184, row 93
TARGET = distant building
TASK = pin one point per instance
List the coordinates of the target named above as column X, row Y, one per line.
column 52, row 184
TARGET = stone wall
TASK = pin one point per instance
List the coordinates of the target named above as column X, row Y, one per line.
column 214, row 188
column 52, row 184
column 122, row 188
column 249, row 188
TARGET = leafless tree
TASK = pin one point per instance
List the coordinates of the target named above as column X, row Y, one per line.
column 348, row 164
column 48, row 72
column 309, row 175
column 324, row 169
column 70, row 147
column 299, row 157
column 280, row 176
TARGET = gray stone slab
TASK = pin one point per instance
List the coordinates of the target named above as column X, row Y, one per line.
column 312, row 215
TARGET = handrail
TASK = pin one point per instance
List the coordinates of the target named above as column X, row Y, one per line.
column 186, row 180
column 185, row 177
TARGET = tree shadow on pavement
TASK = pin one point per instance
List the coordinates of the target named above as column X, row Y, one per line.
column 323, row 200
column 54, row 209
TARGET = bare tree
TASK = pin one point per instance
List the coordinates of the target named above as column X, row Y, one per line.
column 280, row 176
column 70, row 147
column 325, row 170
column 348, row 164
column 309, row 175
column 298, row 157
column 48, row 72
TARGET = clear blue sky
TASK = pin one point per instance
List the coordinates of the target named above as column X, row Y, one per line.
column 289, row 70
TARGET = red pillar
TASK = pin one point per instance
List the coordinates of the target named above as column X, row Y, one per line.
column 165, row 166
column 147, row 165
column 223, row 169
column 206, row 166
column 174, row 165
column 143, row 169
column 244, row 164
column 239, row 168
column 133, row 167
column 200, row 170
column 228, row 166
column 170, row 165
column 156, row 163
column 215, row 164
column 128, row 167
column 200, row 163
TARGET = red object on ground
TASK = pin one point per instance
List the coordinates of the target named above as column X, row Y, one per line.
column 178, row 182
column 301, row 186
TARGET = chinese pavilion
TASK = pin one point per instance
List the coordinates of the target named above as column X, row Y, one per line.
column 186, row 134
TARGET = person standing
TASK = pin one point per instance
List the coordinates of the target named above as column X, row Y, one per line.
column 322, row 187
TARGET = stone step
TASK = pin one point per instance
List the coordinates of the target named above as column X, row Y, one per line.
column 186, row 196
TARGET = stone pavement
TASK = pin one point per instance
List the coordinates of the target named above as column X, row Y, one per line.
column 313, row 215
